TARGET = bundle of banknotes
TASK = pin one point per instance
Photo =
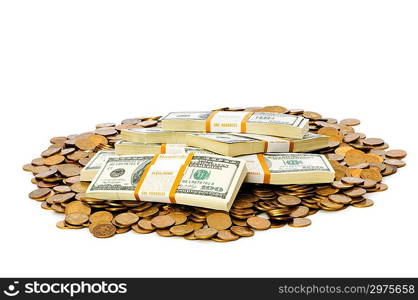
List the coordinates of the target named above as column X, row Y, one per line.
column 202, row 158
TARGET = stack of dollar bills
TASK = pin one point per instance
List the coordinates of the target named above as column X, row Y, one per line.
column 202, row 158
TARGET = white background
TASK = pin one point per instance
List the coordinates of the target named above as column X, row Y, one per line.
column 67, row 65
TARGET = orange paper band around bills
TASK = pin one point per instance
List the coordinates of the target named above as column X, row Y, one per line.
column 138, row 186
column 266, row 146
column 291, row 144
column 163, row 148
column 244, row 121
column 207, row 123
column 179, row 177
column 265, row 168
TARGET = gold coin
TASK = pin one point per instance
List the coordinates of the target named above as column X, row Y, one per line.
column 373, row 141
column 148, row 212
column 57, row 208
column 178, row 217
column 38, row 161
column 39, row 193
column 311, row 115
column 352, row 180
column 163, row 221
column 54, row 160
column 126, row 219
column 258, row 223
column 327, row 190
column 77, row 155
column 354, row 157
column 227, row 235
column 76, row 218
column 330, row 205
column 275, row 109
column 164, row 232
column 329, row 131
column 351, row 137
column 190, row 236
column 101, row 216
column 382, row 187
column 352, row 172
column 368, row 183
column 77, row 206
column 242, row 231
column 85, row 144
column 239, row 222
column 247, row 197
column 104, row 230
column 340, row 198
column 62, row 189
column 300, row 222
column 137, row 229
column 219, row 220
column 395, row 162
column 242, row 204
column 279, row 212
column 46, row 174
column 372, row 173
column 98, row 139
column 146, row 224
column 61, row 225
column 69, row 170
column 341, row 185
column 28, row 167
column 108, row 124
column 278, row 224
column 218, row 240
column 196, row 226
column 50, row 151
column 45, row 205
column 58, row 140
column 205, row 233
column 150, row 123
column 399, row 154
column 300, row 211
column 122, row 230
column 355, row 192
column 106, row 131
column 373, row 158
column 80, row 187
column 364, row 203
column 61, row 198
column 350, row 122
column 72, row 179
column 181, row 229
column 289, row 200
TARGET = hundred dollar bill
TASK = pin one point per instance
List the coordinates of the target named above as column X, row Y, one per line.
column 91, row 168
column 234, row 144
column 266, row 123
column 129, row 148
column 209, row 181
column 154, row 135
column 288, row 168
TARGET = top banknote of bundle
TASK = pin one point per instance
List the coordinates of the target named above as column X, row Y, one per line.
column 94, row 165
column 233, row 144
column 209, row 181
column 288, row 168
column 154, row 135
column 132, row 148
column 266, row 123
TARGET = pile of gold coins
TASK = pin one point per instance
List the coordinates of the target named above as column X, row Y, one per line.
column 360, row 163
